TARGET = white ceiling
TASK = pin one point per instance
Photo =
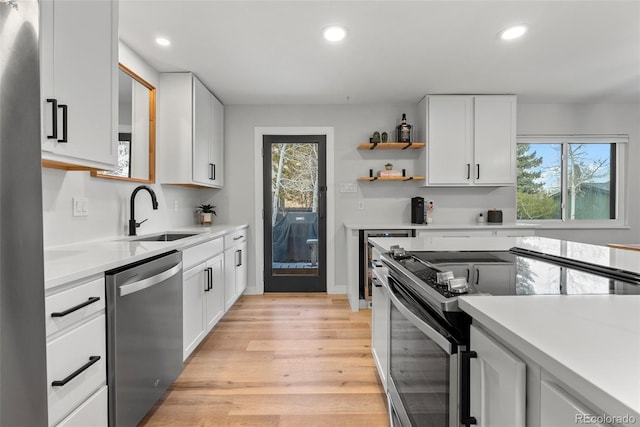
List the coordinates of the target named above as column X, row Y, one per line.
column 272, row 52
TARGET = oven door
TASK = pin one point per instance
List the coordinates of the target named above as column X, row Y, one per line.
column 423, row 364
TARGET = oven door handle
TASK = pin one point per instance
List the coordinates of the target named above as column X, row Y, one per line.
column 420, row 324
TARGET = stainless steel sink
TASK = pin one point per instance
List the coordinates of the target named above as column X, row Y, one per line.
column 164, row 237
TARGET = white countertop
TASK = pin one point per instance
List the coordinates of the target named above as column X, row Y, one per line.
column 67, row 263
column 589, row 342
column 435, row 226
column 446, row 243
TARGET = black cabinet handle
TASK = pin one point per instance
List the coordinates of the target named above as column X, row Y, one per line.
column 75, row 308
column 60, row 383
column 468, row 170
column 375, row 282
column 209, row 272
column 64, row 123
column 54, row 118
column 214, row 171
column 210, row 278
column 477, row 276
column 238, row 237
column 239, row 257
column 478, row 171
column 465, row 388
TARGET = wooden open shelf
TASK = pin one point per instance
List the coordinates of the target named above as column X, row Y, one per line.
column 391, row 145
column 390, row 178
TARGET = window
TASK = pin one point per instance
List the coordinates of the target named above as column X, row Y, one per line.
column 570, row 179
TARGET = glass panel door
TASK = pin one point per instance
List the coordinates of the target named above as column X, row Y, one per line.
column 294, row 213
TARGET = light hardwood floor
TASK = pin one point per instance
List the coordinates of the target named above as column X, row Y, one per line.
column 294, row 360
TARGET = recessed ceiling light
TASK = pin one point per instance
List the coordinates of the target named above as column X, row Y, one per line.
column 334, row 33
column 513, row 32
column 162, row 41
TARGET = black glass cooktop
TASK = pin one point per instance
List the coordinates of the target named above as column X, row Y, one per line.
column 506, row 273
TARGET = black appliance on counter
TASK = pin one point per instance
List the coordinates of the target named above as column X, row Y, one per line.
column 429, row 362
column 417, row 210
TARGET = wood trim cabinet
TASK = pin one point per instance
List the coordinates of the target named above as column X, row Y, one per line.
column 79, row 69
column 190, row 140
column 472, row 140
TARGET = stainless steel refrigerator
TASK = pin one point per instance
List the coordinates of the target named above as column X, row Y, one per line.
column 23, row 390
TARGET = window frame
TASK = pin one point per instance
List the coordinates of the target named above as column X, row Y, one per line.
column 621, row 146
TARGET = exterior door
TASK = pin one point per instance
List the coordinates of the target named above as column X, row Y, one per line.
column 294, row 186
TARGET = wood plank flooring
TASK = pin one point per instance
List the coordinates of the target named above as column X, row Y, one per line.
column 286, row 360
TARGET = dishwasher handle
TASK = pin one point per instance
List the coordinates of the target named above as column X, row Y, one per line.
column 151, row 281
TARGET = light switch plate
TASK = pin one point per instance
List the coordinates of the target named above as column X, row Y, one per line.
column 348, row 188
column 80, row 206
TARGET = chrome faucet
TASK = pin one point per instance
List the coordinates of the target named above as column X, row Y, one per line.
column 154, row 202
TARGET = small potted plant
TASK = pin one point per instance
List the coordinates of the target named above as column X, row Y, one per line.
column 388, row 166
column 206, row 213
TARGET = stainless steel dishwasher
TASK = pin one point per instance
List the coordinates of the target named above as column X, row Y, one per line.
column 144, row 335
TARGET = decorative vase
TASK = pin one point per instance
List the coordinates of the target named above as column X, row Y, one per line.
column 206, row 218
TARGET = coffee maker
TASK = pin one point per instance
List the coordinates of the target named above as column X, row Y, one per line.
column 417, row 210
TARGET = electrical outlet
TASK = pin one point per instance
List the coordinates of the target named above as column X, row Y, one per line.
column 360, row 205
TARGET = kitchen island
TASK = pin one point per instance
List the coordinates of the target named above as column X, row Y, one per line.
column 587, row 346
column 581, row 352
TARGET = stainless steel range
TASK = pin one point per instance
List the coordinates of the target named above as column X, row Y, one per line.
column 428, row 382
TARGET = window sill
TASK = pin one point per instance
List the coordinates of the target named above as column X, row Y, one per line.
column 576, row 225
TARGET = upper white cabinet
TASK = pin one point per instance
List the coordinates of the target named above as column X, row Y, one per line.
column 190, row 133
column 471, row 139
column 79, row 66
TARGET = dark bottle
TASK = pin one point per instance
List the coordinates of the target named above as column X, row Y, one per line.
column 404, row 130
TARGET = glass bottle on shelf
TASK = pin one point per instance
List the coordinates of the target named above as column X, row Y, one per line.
column 404, row 130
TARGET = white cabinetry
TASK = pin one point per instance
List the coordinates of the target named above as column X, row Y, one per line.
column 559, row 408
column 76, row 354
column 471, row 140
column 203, row 292
column 79, row 66
column 190, row 133
column 380, row 319
column 235, row 266
column 498, row 383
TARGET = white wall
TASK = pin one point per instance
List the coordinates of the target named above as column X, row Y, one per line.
column 109, row 199
column 389, row 202
column 592, row 119
column 385, row 202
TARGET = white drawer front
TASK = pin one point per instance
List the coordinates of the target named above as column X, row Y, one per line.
column 197, row 254
column 234, row 238
column 68, row 353
column 92, row 413
column 67, row 300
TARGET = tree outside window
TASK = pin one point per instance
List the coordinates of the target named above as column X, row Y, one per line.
column 566, row 181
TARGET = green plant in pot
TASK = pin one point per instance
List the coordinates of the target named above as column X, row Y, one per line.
column 206, row 213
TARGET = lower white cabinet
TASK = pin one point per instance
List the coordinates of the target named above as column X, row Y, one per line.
column 202, row 293
column 380, row 322
column 498, row 383
column 93, row 412
column 235, row 266
column 76, row 354
column 559, row 408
